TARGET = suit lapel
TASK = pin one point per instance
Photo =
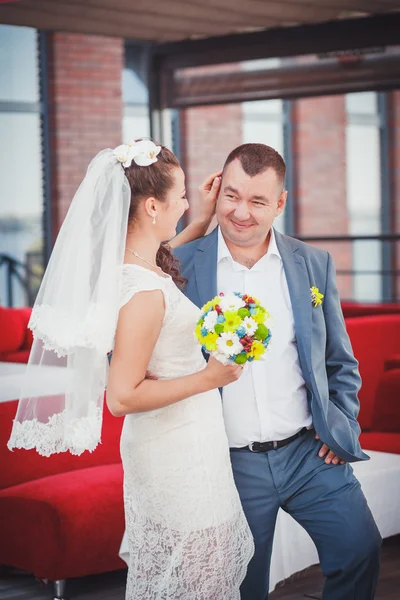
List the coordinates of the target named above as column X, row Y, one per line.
column 300, row 295
column 205, row 267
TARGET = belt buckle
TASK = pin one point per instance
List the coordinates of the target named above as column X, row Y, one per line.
column 250, row 446
column 275, row 445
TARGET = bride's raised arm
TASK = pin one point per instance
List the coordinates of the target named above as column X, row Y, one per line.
column 208, row 192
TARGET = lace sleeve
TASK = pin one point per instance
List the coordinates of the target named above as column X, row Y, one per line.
column 135, row 279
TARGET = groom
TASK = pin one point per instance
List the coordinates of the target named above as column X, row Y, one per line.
column 291, row 420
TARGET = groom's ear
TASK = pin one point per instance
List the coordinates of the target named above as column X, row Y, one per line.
column 281, row 202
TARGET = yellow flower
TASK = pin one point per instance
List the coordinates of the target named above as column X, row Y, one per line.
column 210, row 341
column 198, row 332
column 232, row 322
column 260, row 315
column 316, row 296
column 211, row 304
column 257, row 350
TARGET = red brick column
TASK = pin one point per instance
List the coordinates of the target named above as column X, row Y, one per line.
column 85, row 109
column 319, row 143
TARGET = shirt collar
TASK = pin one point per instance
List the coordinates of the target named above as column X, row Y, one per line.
column 223, row 251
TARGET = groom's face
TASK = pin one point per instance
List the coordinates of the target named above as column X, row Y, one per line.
column 247, row 206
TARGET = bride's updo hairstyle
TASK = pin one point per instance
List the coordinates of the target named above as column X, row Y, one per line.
column 155, row 180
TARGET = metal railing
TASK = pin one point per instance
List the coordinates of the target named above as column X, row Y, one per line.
column 20, row 274
column 24, row 275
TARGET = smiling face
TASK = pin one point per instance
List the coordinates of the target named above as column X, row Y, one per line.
column 247, row 205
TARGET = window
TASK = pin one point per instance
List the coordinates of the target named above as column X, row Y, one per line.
column 21, row 209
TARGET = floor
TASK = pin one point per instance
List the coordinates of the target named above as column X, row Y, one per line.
column 110, row 586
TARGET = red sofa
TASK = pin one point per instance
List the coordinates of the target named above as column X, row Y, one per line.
column 376, row 344
column 61, row 516
column 15, row 337
column 362, row 309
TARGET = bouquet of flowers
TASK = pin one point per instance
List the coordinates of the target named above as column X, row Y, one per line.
column 234, row 328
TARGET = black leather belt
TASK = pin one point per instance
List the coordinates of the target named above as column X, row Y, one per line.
column 265, row 446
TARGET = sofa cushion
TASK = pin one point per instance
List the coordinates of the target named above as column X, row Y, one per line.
column 373, row 340
column 12, row 329
column 19, row 466
column 66, row 525
column 21, row 356
column 386, row 415
column 382, row 442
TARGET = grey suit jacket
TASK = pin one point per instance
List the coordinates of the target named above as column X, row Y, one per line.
column 326, row 357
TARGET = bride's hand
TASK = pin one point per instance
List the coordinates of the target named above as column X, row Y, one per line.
column 219, row 374
column 208, row 194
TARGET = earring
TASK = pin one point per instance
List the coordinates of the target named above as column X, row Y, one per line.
column 154, row 220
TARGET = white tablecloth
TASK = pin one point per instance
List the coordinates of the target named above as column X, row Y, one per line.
column 294, row 550
column 45, row 381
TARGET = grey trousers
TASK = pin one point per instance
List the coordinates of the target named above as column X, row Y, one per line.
column 326, row 500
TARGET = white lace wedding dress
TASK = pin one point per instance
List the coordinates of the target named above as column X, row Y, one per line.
column 188, row 538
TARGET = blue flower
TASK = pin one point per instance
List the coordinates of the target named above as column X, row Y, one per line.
column 241, row 332
column 221, row 319
column 204, row 331
column 250, row 359
column 252, row 310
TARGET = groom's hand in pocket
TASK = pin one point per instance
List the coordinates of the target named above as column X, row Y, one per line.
column 330, row 457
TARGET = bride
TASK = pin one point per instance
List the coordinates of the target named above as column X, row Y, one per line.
column 187, row 535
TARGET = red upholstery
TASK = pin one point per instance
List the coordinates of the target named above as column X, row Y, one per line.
column 16, row 339
column 20, row 466
column 382, row 442
column 61, row 516
column 386, row 413
column 393, row 362
column 374, row 340
column 358, row 309
column 66, row 525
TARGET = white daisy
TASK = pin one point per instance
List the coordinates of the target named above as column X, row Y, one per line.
column 210, row 320
column 250, row 325
column 231, row 302
column 229, row 344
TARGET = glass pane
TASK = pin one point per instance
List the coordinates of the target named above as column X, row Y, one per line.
column 364, row 195
column 134, row 90
column 19, row 80
column 136, row 123
column 365, row 103
column 21, row 234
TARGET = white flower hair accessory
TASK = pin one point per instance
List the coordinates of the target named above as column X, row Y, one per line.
column 143, row 152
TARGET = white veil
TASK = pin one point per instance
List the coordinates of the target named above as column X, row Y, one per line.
column 74, row 318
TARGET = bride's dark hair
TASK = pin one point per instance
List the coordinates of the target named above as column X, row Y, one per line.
column 155, row 180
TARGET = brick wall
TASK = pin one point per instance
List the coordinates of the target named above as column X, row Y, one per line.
column 85, row 109
column 319, row 145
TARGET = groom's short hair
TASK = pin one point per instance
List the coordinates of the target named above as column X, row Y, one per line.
column 257, row 158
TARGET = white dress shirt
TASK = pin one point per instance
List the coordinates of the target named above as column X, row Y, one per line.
column 269, row 401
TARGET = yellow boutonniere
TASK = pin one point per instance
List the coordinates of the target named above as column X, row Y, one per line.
column 316, row 296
